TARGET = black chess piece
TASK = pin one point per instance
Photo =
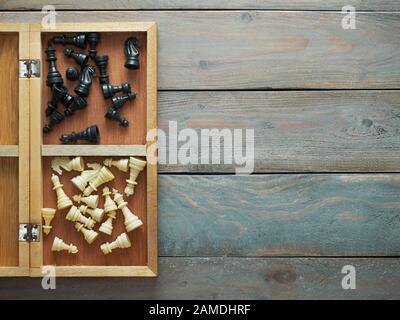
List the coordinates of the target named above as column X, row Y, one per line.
column 55, row 118
column 60, row 93
column 78, row 40
column 85, row 81
column 113, row 114
column 101, row 63
column 79, row 103
column 51, row 106
column 131, row 49
column 119, row 101
column 79, row 57
column 109, row 90
column 91, row 134
column 72, row 74
column 93, row 38
column 53, row 75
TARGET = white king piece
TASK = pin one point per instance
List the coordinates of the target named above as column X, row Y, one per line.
column 59, row 245
column 136, row 166
column 91, row 201
column 75, row 215
column 110, row 208
column 131, row 221
column 89, row 235
column 103, row 176
column 62, row 199
column 122, row 165
column 83, row 179
column 67, row 164
column 121, row 242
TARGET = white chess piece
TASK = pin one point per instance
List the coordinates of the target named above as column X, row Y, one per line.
column 47, row 215
column 97, row 214
column 122, row 164
column 110, row 208
column 62, row 199
column 121, row 242
column 83, row 179
column 136, row 166
column 75, row 215
column 91, row 201
column 67, row 164
column 89, row 235
column 103, row 176
column 59, row 245
column 131, row 221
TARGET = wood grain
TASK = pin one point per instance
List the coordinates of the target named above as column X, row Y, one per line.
column 335, row 131
column 379, row 5
column 9, row 47
column 9, row 212
column 279, row 215
column 112, row 44
column 264, row 50
column 94, row 150
column 91, row 255
column 229, row 278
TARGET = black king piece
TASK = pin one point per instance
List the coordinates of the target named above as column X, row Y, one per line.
column 53, row 76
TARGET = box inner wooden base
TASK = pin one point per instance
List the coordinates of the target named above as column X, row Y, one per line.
column 90, row 254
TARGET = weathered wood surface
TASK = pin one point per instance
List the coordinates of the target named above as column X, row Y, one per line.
column 337, row 131
column 379, row 5
column 228, row 278
column 277, row 215
column 264, row 49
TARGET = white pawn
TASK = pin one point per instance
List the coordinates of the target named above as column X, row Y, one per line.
column 92, row 201
column 97, row 214
column 131, row 221
column 59, row 245
column 110, row 208
column 89, row 235
column 103, row 176
column 62, row 199
column 67, row 164
column 136, row 166
column 122, row 165
column 75, row 215
column 47, row 215
column 83, row 179
column 121, row 242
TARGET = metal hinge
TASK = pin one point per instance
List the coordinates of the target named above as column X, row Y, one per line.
column 29, row 68
column 29, row 232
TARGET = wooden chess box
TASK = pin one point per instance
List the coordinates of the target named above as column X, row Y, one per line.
column 26, row 152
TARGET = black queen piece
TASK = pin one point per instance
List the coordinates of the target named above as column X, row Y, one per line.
column 53, row 75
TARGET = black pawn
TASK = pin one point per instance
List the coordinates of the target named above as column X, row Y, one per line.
column 118, row 102
column 93, row 39
column 51, row 107
column 72, row 74
column 132, row 53
column 113, row 114
column 79, row 57
column 53, row 76
column 78, row 40
column 55, row 118
column 101, row 63
column 85, row 81
column 91, row 134
column 61, row 94
column 109, row 90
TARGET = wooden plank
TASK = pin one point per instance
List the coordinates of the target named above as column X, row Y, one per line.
column 98, row 271
column 379, row 5
column 279, row 215
column 251, row 49
column 316, row 131
column 94, row 150
column 229, row 278
column 9, row 151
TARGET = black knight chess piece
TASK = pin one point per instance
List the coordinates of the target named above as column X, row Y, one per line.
column 53, row 75
column 109, row 90
column 101, row 63
column 78, row 40
column 79, row 57
column 91, row 134
column 55, row 118
column 60, row 93
column 85, row 81
column 79, row 103
column 113, row 114
column 93, row 38
column 131, row 49
column 51, row 106
column 119, row 101
column 72, row 74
